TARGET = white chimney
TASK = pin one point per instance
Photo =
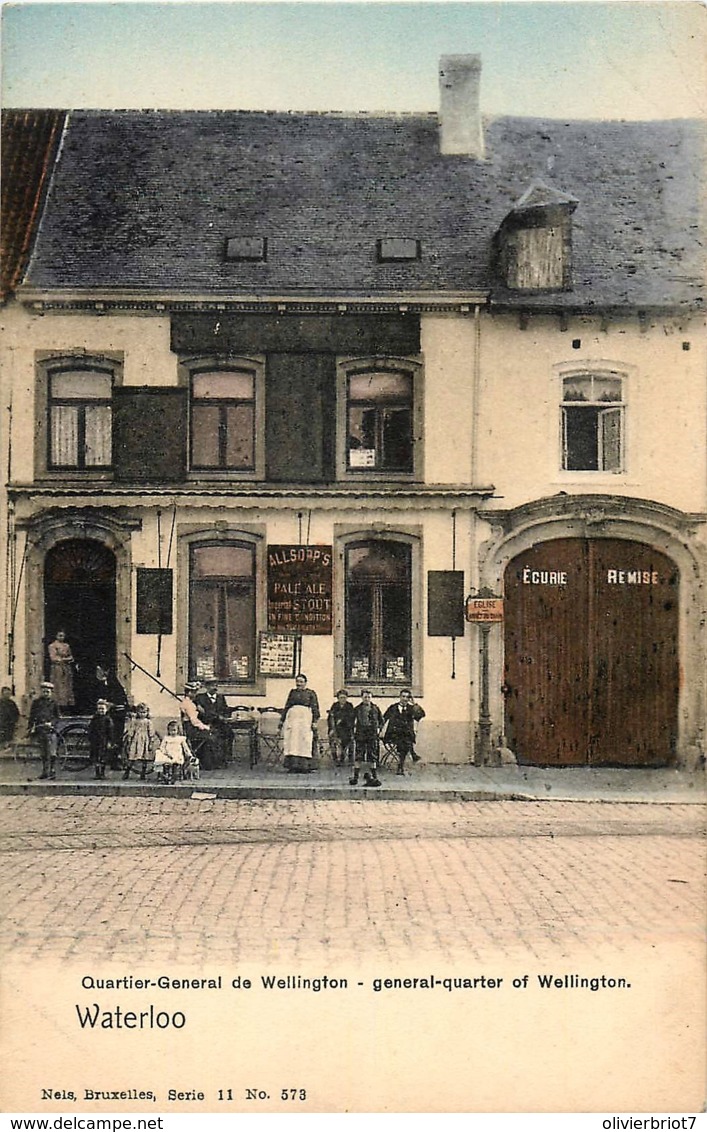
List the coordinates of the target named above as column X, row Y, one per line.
column 461, row 131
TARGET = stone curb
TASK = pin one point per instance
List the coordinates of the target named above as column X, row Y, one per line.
column 323, row 792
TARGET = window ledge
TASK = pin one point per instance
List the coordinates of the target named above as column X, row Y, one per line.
column 208, row 475
column 582, row 479
column 367, row 476
column 382, row 691
column 74, row 476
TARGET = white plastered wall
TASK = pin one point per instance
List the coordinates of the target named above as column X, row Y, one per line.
column 665, row 414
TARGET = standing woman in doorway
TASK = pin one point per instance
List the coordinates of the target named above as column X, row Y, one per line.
column 298, row 726
column 61, row 670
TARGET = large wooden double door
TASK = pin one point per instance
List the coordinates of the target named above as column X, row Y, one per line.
column 591, row 654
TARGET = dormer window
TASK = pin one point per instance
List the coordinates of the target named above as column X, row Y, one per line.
column 397, row 249
column 246, row 249
column 534, row 242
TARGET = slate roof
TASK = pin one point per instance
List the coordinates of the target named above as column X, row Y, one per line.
column 146, row 200
column 28, row 145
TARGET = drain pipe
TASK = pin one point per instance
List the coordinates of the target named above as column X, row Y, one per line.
column 474, row 702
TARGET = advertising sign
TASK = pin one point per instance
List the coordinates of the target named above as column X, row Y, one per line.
column 300, row 589
column 277, row 654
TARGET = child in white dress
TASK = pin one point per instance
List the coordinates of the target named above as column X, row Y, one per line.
column 172, row 752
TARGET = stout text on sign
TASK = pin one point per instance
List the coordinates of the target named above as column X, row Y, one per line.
column 300, row 589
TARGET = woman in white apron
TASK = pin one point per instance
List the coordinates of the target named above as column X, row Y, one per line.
column 298, row 724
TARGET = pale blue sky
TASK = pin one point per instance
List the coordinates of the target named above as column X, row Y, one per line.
column 577, row 60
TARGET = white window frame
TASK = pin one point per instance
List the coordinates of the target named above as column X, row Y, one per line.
column 606, row 409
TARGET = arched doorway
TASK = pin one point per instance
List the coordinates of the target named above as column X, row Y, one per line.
column 79, row 597
column 591, row 654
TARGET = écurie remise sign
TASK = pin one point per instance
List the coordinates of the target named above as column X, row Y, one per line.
column 614, row 577
column 300, row 589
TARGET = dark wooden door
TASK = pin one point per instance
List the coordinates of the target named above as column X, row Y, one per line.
column 591, row 654
column 79, row 597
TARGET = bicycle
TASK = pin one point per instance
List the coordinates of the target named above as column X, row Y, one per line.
column 73, row 748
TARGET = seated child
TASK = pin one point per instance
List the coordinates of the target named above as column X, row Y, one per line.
column 172, row 752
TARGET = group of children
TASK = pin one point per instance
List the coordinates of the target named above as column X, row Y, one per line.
column 355, row 733
column 142, row 748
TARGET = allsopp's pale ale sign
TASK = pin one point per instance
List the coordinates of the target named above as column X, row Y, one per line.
column 300, row 589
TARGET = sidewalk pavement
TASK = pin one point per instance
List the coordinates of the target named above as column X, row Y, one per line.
column 424, row 782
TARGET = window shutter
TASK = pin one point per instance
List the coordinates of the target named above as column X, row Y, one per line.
column 565, row 446
column 154, row 601
column 299, row 417
column 610, row 439
column 149, row 434
column 445, row 603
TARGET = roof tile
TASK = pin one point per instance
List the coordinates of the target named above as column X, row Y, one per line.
column 147, row 199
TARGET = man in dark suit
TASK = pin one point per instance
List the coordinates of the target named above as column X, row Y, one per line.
column 400, row 727
column 214, row 712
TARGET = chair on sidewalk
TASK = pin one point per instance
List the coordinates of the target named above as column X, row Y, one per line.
column 388, row 755
column 269, row 737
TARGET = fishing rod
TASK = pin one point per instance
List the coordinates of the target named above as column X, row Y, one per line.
column 162, row 687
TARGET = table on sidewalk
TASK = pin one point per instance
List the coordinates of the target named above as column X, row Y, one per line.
column 243, row 726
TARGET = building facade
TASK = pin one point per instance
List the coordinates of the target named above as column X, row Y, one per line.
column 286, row 389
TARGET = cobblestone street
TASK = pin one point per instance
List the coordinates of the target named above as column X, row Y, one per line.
column 215, row 880
column 356, row 892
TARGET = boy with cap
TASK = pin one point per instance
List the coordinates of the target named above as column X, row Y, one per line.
column 367, row 724
column 341, row 727
column 43, row 717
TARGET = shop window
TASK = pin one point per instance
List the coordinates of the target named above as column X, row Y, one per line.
column 222, row 619
column 378, row 605
column 80, row 418
column 592, row 423
column 223, row 420
column 379, row 405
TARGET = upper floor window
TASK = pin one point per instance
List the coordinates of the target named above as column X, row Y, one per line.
column 592, row 423
column 80, row 418
column 223, row 420
column 379, row 407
